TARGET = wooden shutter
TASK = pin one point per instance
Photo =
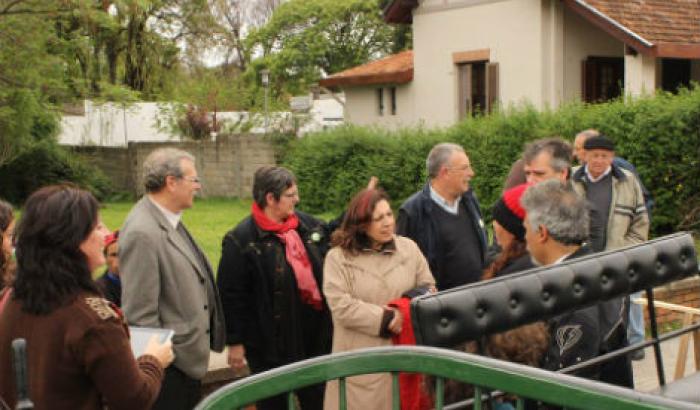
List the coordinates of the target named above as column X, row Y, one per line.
column 589, row 74
column 492, row 90
column 465, row 90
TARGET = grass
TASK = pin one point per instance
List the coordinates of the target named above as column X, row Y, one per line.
column 208, row 220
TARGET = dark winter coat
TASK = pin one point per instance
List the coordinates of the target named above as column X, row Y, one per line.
column 415, row 221
column 260, row 298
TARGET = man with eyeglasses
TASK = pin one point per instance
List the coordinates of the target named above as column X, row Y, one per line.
column 167, row 281
column 444, row 218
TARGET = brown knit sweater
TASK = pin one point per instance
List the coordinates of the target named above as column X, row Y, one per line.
column 78, row 357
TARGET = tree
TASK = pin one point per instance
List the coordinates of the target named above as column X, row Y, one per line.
column 234, row 19
column 30, row 79
column 306, row 39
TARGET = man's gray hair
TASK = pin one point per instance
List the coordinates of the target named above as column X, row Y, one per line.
column 560, row 151
column 557, row 207
column 160, row 163
column 439, row 156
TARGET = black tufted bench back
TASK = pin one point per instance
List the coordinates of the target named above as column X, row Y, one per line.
column 466, row 313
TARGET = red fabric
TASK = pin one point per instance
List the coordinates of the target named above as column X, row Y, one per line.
column 512, row 197
column 4, row 297
column 413, row 394
column 111, row 238
column 295, row 253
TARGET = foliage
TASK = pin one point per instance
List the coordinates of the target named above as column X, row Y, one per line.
column 196, row 124
column 659, row 134
column 30, row 79
column 307, row 38
column 208, row 220
column 45, row 163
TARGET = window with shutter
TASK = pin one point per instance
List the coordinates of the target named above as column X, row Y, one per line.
column 602, row 78
column 478, row 88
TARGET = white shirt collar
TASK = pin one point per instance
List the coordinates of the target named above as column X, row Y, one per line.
column 601, row 176
column 172, row 217
column 560, row 260
column 451, row 208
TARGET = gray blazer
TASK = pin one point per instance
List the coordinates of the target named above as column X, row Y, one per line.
column 165, row 285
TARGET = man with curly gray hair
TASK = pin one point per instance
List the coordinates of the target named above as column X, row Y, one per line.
column 557, row 229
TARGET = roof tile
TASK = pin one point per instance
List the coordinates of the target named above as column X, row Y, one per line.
column 394, row 69
column 658, row 21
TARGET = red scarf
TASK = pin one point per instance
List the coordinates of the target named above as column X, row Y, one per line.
column 296, row 254
column 411, row 385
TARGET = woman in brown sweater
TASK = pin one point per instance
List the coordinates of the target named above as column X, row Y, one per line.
column 7, row 228
column 78, row 351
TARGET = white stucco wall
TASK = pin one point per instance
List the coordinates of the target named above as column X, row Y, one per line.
column 641, row 74
column 509, row 28
column 581, row 40
column 361, row 106
column 113, row 125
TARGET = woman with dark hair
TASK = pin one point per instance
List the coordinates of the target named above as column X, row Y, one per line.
column 509, row 231
column 525, row 344
column 367, row 268
column 270, row 277
column 78, row 351
column 7, row 228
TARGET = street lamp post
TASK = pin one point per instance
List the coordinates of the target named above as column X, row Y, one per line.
column 266, row 83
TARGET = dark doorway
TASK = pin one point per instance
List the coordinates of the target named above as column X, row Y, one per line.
column 675, row 73
column 603, row 78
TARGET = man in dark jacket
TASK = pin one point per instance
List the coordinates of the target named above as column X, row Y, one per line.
column 270, row 279
column 445, row 220
column 556, row 226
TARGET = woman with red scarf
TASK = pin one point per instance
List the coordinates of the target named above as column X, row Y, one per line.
column 270, row 280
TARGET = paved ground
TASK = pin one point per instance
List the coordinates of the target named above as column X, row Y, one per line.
column 645, row 377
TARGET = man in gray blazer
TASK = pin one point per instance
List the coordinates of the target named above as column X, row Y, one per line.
column 167, row 280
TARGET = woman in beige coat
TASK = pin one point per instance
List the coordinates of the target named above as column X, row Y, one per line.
column 368, row 267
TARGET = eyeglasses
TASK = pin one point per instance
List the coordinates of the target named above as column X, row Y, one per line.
column 194, row 180
column 461, row 168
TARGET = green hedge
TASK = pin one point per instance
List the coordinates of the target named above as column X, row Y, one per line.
column 660, row 135
column 45, row 163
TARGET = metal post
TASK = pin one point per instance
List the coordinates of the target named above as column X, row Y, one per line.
column 266, row 83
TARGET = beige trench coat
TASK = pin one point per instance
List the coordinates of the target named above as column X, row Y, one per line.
column 357, row 288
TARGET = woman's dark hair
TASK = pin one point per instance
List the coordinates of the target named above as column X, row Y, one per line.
column 273, row 180
column 51, row 268
column 516, row 249
column 6, row 265
column 352, row 234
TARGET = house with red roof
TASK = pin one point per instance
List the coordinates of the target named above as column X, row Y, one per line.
column 470, row 56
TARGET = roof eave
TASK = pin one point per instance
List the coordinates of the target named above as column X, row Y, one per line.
column 612, row 27
column 672, row 50
column 400, row 77
column 400, row 11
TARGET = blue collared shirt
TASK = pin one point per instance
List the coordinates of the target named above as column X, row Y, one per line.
column 451, row 208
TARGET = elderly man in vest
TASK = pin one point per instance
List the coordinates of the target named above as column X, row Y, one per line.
column 619, row 217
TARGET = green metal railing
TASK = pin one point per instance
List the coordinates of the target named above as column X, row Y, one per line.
column 485, row 373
